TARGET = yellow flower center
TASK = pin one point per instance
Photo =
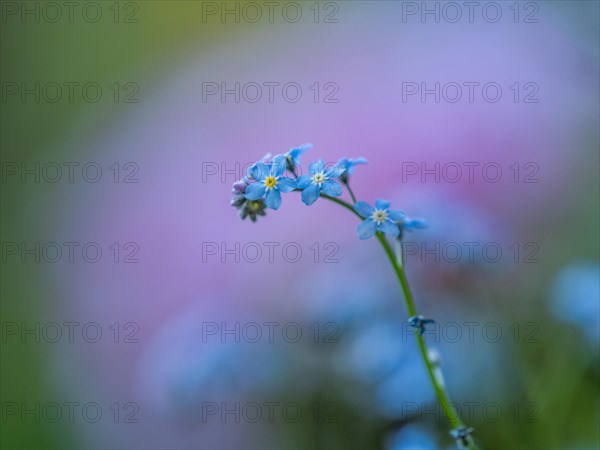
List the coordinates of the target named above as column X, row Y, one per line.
column 270, row 182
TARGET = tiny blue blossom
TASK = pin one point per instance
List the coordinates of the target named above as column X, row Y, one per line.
column 319, row 180
column 269, row 182
column 461, row 435
column 349, row 164
column 292, row 158
column 378, row 218
column 419, row 322
column 409, row 223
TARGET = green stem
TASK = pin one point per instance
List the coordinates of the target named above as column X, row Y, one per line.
column 350, row 192
column 440, row 390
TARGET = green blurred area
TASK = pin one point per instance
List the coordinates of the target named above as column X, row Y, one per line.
column 103, row 52
column 142, row 38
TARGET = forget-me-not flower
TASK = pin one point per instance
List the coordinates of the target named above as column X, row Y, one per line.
column 292, row 158
column 461, row 435
column 419, row 322
column 349, row 164
column 409, row 223
column 378, row 218
column 319, row 180
column 270, row 182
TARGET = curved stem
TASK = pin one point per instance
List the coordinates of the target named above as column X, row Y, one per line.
column 341, row 202
column 436, row 380
column 350, row 192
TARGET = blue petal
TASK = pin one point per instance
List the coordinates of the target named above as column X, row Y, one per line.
column 332, row 188
column 286, row 184
column 255, row 191
column 366, row 229
column 278, row 166
column 259, row 171
column 334, row 172
column 389, row 228
column 382, row 204
column 364, row 209
column 355, row 162
column 311, row 194
column 396, row 215
column 304, row 181
column 316, row 167
column 295, row 153
column 344, row 163
column 349, row 164
column 273, row 199
column 412, row 224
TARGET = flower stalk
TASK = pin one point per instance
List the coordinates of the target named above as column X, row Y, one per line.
column 440, row 390
column 262, row 188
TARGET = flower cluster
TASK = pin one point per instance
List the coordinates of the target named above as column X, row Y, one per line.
column 262, row 188
column 264, row 183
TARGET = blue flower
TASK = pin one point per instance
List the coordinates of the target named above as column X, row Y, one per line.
column 419, row 322
column 292, row 158
column 269, row 182
column 379, row 218
column 462, row 435
column 575, row 294
column 320, row 180
column 349, row 164
column 409, row 224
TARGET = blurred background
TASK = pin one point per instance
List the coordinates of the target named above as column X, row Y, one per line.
column 138, row 310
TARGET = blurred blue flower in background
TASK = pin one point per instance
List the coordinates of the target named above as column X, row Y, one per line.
column 576, row 298
column 410, row 223
column 376, row 351
column 186, row 365
column 412, row 437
